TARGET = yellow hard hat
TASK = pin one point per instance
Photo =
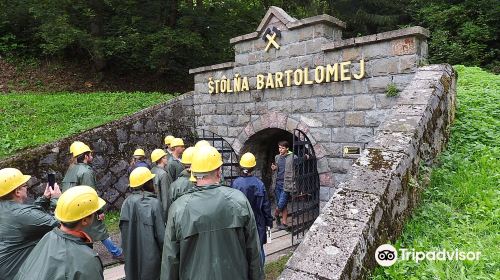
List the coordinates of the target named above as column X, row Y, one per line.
column 79, row 148
column 202, row 143
column 139, row 176
column 139, row 152
column 187, row 156
column 157, row 154
column 176, row 142
column 77, row 203
column 206, row 159
column 10, row 179
column 73, row 145
column 248, row 160
column 169, row 139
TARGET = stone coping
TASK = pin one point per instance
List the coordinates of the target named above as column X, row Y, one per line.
column 219, row 66
column 375, row 38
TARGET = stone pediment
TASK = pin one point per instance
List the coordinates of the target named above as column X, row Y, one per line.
column 277, row 17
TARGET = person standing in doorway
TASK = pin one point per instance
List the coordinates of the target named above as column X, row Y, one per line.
column 82, row 174
column 282, row 180
column 255, row 191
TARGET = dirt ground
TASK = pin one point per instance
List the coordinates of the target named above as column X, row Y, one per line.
column 63, row 76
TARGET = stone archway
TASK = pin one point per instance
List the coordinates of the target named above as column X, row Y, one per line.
column 283, row 122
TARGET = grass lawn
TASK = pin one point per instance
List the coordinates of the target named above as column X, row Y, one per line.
column 29, row 120
column 460, row 209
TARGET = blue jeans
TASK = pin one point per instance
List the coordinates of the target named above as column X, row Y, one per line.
column 281, row 197
column 112, row 248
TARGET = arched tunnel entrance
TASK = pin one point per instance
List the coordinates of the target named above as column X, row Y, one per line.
column 303, row 205
column 264, row 145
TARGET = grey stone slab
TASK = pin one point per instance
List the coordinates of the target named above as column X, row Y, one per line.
column 343, row 103
column 354, row 205
column 340, row 165
column 334, row 119
column 378, row 84
column 325, row 104
column 352, row 134
column 408, row 64
column 326, row 248
column 382, row 66
column 385, row 102
column 364, row 101
column 379, row 50
column 374, row 118
column 321, row 134
column 401, row 123
column 355, row 87
column 356, row 118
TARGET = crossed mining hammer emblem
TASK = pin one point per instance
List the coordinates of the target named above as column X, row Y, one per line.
column 271, row 39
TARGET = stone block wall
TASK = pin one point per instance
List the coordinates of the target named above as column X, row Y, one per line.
column 381, row 190
column 334, row 114
column 113, row 145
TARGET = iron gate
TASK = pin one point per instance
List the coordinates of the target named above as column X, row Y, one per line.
column 230, row 166
column 305, row 201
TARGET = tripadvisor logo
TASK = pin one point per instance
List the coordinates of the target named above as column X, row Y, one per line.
column 387, row 255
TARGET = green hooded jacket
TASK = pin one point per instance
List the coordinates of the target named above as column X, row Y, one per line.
column 59, row 256
column 82, row 174
column 211, row 234
column 162, row 182
column 21, row 227
column 174, row 168
column 142, row 228
column 180, row 186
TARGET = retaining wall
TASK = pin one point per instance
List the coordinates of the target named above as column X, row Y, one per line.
column 113, row 145
column 382, row 189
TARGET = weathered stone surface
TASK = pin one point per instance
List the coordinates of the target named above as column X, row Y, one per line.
column 355, row 118
column 343, row 103
column 363, row 102
column 352, row 134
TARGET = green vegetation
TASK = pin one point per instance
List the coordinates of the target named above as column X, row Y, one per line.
column 28, row 120
column 112, row 222
column 459, row 208
column 274, row 269
column 391, row 90
column 169, row 37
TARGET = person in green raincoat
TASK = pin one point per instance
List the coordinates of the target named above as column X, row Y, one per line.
column 21, row 225
column 81, row 173
column 185, row 181
column 66, row 252
column 174, row 165
column 142, row 227
column 162, row 180
column 211, row 231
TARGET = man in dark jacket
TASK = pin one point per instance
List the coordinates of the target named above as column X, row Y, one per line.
column 211, row 231
column 138, row 160
column 255, row 191
column 82, row 174
column 66, row 252
column 185, row 181
column 174, row 165
column 162, row 181
column 21, row 225
column 142, row 227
